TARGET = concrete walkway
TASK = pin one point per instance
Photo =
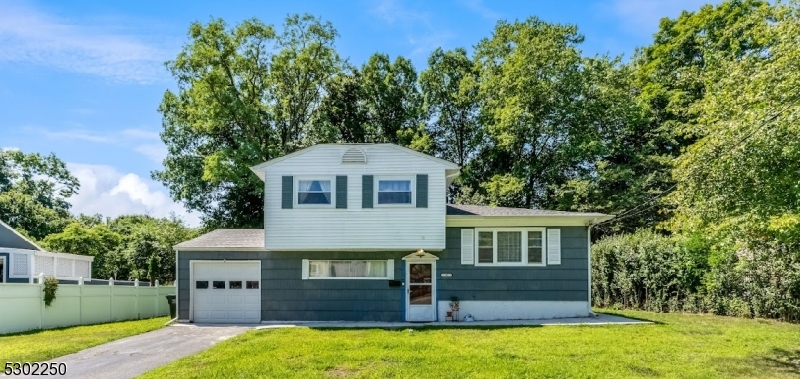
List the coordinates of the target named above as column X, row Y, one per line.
column 599, row 319
column 132, row 356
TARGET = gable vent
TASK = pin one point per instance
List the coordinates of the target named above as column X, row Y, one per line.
column 354, row 155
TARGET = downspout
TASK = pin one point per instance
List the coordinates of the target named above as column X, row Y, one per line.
column 589, row 265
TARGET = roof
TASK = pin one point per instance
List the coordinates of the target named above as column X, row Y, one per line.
column 245, row 239
column 13, row 239
column 258, row 169
column 489, row 211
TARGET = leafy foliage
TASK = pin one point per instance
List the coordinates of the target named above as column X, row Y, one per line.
column 33, row 192
column 49, row 288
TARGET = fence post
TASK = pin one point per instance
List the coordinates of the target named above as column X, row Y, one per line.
column 136, row 289
column 41, row 300
column 80, row 300
column 111, row 299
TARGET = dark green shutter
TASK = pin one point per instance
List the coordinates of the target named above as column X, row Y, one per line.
column 367, row 189
column 287, row 191
column 341, row 192
column 422, row 191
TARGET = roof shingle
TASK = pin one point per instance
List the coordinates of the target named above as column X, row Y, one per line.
column 226, row 238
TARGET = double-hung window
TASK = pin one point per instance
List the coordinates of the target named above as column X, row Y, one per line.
column 314, row 192
column 510, row 247
column 394, row 191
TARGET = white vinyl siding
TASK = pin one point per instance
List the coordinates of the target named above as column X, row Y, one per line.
column 380, row 228
column 348, row 269
column 510, row 247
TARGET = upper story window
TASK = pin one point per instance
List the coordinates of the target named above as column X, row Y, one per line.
column 510, row 247
column 314, row 192
column 394, row 191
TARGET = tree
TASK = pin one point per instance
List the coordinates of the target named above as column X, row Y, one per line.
column 33, row 192
column 245, row 96
column 342, row 114
column 450, row 93
column 532, row 87
column 392, row 99
column 744, row 167
column 154, row 269
column 98, row 241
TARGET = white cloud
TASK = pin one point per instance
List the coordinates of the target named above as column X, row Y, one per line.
column 478, row 7
column 644, row 15
column 140, row 134
column 79, row 134
column 156, row 152
column 111, row 193
column 27, row 35
column 10, row 148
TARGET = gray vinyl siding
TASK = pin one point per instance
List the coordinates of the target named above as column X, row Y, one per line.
column 10, row 239
column 287, row 192
column 565, row 282
column 341, row 192
column 422, row 191
column 286, row 297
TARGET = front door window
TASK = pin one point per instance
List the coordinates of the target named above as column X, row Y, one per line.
column 420, row 284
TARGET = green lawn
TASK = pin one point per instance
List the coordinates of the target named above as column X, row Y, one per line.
column 680, row 346
column 42, row 345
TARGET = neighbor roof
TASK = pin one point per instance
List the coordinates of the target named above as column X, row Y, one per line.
column 14, row 239
column 244, row 239
column 481, row 210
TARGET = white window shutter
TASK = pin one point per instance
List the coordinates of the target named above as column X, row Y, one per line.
column 390, row 269
column 467, row 246
column 305, row 268
column 554, row 246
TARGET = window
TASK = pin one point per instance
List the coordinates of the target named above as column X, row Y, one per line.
column 510, row 247
column 313, row 192
column 201, row 284
column 347, row 269
column 485, row 247
column 394, row 192
column 252, row 284
column 219, row 284
column 235, row 284
column 535, row 247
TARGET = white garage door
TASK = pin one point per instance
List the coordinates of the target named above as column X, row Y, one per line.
column 226, row 292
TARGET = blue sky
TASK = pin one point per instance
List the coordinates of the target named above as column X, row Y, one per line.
column 84, row 79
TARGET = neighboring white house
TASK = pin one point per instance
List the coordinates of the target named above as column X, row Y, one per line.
column 22, row 260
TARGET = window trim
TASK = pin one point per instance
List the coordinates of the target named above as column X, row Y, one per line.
column 308, row 269
column 523, row 246
column 296, row 191
column 376, row 186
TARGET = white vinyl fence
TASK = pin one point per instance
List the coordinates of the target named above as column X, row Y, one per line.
column 22, row 305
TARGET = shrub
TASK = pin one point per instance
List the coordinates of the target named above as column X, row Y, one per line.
column 50, row 288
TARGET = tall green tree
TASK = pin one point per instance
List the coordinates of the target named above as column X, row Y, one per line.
column 245, row 95
column 98, row 241
column 33, row 192
column 449, row 89
column 744, row 167
column 342, row 115
column 533, row 89
column 392, row 99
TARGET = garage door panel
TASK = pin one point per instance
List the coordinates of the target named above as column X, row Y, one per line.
column 231, row 303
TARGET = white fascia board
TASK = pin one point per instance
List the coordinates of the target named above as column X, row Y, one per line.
column 521, row 221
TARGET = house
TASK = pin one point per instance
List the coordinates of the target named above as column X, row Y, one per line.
column 22, row 260
column 362, row 232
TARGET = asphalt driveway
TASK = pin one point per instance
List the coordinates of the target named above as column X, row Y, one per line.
column 133, row 356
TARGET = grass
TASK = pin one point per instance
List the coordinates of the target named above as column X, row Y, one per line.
column 678, row 346
column 43, row 345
